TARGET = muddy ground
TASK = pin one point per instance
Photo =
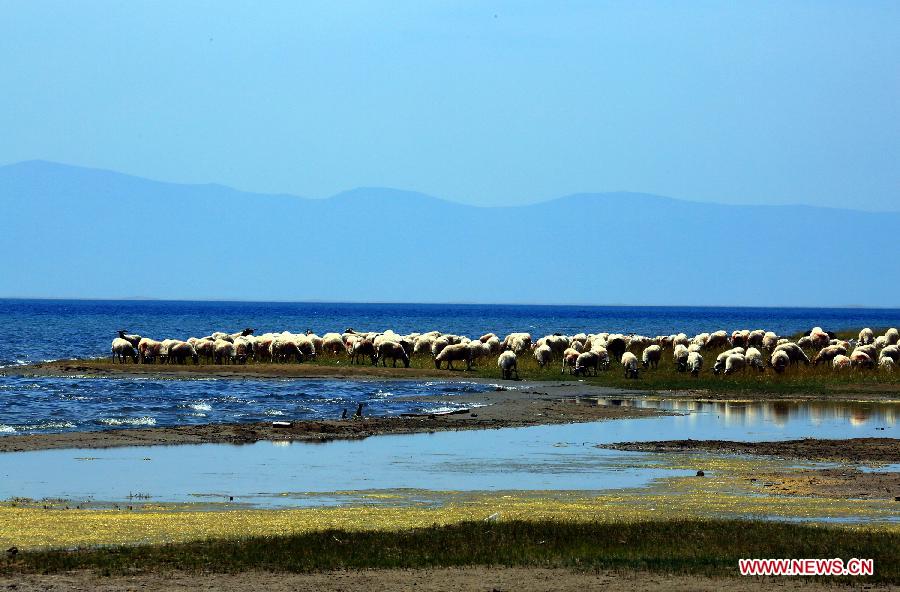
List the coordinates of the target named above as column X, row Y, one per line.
column 487, row 579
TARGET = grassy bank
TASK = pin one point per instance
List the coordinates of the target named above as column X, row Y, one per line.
column 692, row 547
column 798, row 379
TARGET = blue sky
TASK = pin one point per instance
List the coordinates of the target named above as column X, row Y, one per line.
column 478, row 102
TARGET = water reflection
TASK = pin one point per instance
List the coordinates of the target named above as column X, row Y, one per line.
column 779, row 413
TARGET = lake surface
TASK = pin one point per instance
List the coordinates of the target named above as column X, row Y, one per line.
column 560, row 457
column 44, row 404
column 35, row 330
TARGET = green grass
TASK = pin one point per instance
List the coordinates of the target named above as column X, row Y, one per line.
column 796, row 379
column 702, row 548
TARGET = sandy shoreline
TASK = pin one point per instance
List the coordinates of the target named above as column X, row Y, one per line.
column 530, row 404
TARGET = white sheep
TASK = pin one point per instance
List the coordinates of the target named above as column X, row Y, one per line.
column 695, row 363
column 452, row 353
column 569, row 358
column 586, row 363
column 332, row 344
column 770, row 340
column 543, row 354
column 885, row 363
column 680, row 356
column 630, row 364
column 224, row 351
column 827, row 354
column 508, row 364
column 754, row 359
column 734, row 363
column 840, row 362
column 393, row 350
column 892, row 352
column 122, row 350
column 866, row 336
column 861, row 359
column 780, row 360
column 651, row 356
column 892, row 336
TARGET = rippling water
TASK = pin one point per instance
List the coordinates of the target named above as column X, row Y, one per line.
column 34, row 330
column 33, row 405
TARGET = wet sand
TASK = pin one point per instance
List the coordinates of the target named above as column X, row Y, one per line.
column 855, row 450
column 530, row 404
column 523, row 579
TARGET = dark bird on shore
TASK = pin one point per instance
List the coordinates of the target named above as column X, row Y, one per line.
column 12, row 551
column 344, row 414
column 358, row 410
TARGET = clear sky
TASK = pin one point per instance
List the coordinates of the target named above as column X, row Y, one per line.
column 478, row 102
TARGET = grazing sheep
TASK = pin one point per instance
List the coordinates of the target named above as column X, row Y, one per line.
column 680, row 356
column 886, row 364
column 543, row 354
column 453, row 353
column 739, row 338
column 870, row 350
column 180, row 351
column 805, row 342
column 122, row 349
column 734, row 363
column 840, row 362
column 616, row 346
column 754, row 359
column 818, row 338
column 517, row 342
column 243, row 349
column 508, row 364
column 438, row 345
column 148, row 350
column 695, row 363
column 569, row 358
column 651, row 356
column 794, row 352
column 770, row 340
column 860, row 359
column 756, row 337
column 224, row 351
column 586, row 363
column 205, row 349
column 332, row 344
column 361, row 348
column 780, row 360
column 262, row 347
column 493, row 345
column 827, row 354
column 630, row 364
column 892, row 336
column 717, row 340
column 892, row 352
column 393, row 350
column 866, row 336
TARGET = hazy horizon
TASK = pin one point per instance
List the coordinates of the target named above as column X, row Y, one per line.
column 512, row 103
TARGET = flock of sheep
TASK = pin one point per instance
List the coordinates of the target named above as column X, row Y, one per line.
column 581, row 354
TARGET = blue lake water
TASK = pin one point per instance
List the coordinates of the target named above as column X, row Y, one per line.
column 268, row 474
column 43, row 404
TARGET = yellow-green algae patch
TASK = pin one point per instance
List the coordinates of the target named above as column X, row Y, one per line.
column 681, row 498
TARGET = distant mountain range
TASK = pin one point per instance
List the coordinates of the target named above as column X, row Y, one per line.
column 78, row 232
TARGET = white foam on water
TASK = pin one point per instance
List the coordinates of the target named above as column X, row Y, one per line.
column 135, row 421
